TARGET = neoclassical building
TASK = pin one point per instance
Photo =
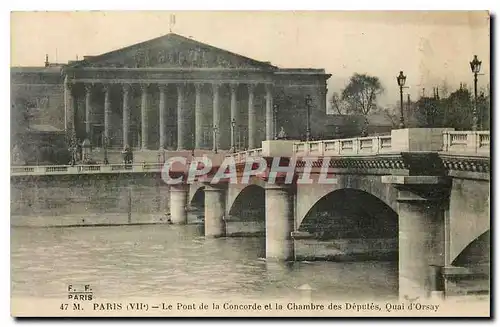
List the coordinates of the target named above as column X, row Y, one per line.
column 175, row 93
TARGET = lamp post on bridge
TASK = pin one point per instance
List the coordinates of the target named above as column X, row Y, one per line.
column 105, row 146
column 475, row 66
column 73, row 147
column 401, row 82
column 215, row 130
column 275, row 122
column 233, row 135
column 192, row 141
column 308, row 107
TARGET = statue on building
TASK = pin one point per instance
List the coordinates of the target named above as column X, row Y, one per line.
column 86, row 151
column 282, row 134
column 128, row 156
column 161, row 155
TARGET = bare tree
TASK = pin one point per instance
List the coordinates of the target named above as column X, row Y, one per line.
column 338, row 105
column 391, row 114
column 361, row 93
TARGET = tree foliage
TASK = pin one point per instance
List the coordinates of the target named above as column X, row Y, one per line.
column 360, row 94
column 429, row 112
column 455, row 110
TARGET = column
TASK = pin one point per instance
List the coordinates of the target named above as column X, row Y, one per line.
column 251, row 117
column 126, row 114
column 279, row 222
column 144, row 116
column 215, row 206
column 178, row 203
column 215, row 117
column 163, row 103
column 107, row 110
column 323, row 92
column 69, row 107
column 234, row 88
column 269, row 113
column 88, row 110
column 180, row 117
column 198, row 123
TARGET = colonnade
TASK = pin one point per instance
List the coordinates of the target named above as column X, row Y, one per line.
column 181, row 112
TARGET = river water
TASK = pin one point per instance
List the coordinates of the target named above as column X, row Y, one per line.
column 170, row 260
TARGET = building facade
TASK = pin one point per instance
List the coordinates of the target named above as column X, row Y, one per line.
column 174, row 93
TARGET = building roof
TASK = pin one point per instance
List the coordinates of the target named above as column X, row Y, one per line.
column 170, row 40
column 33, row 69
column 170, row 51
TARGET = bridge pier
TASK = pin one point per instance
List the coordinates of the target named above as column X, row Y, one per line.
column 421, row 210
column 178, row 204
column 279, row 222
column 215, row 207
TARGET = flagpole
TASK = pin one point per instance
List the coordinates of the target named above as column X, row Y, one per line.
column 172, row 22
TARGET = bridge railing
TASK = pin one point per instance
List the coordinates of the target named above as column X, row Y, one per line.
column 467, row 142
column 241, row 156
column 351, row 146
column 84, row 169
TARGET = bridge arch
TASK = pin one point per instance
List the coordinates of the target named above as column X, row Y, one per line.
column 476, row 252
column 235, row 190
column 249, row 203
column 196, row 195
column 308, row 195
column 469, row 215
column 351, row 214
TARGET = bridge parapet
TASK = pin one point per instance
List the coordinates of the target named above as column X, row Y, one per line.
column 400, row 140
column 453, row 147
column 84, row 169
column 339, row 147
column 467, row 142
column 241, row 156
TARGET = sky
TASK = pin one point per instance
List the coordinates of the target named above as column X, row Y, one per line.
column 432, row 48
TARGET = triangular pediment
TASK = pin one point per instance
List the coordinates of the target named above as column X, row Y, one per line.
column 172, row 51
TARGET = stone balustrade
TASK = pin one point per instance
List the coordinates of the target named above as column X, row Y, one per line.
column 402, row 140
column 351, row 146
column 84, row 169
column 241, row 156
column 362, row 145
column 466, row 142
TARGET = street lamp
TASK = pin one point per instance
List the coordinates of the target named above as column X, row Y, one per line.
column 193, row 141
column 73, row 147
column 475, row 67
column 308, row 107
column 233, row 136
column 401, row 82
column 275, row 118
column 215, row 138
column 105, row 146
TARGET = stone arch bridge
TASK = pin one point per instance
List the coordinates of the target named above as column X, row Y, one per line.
column 430, row 187
column 433, row 183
